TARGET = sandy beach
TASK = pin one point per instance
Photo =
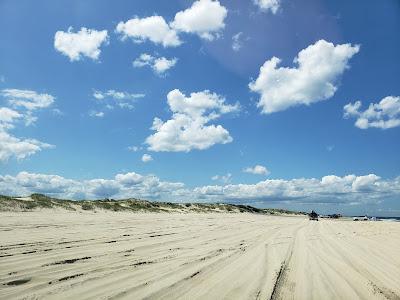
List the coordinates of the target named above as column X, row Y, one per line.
column 84, row 255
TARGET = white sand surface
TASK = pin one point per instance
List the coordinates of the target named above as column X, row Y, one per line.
column 69, row 255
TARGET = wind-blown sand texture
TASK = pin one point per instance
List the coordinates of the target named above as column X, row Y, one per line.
column 118, row 255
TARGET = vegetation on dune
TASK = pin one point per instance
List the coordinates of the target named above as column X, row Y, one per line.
column 87, row 206
column 40, row 201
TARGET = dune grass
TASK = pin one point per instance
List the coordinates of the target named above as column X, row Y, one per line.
column 40, row 201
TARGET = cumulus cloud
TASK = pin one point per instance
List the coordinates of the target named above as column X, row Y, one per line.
column 384, row 115
column 129, row 179
column 268, row 5
column 154, row 29
column 162, row 64
column 11, row 146
column 315, row 78
column 103, row 188
column 365, row 183
column 121, row 186
column 146, row 158
column 24, row 103
column 257, row 170
column 349, row 189
column 27, row 99
column 206, row 18
column 143, row 60
column 76, row 45
column 159, row 64
column 40, row 183
column 329, row 189
column 189, row 126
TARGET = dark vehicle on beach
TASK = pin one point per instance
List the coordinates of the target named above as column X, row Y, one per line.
column 313, row 216
column 335, row 216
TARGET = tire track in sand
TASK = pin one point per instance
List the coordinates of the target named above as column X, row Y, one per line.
column 281, row 283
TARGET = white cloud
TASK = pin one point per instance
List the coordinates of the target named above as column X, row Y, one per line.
column 265, row 5
column 86, row 42
column 153, row 28
column 330, row 189
column 159, row 64
column 98, row 95
column 112, row 98
column 236, row 41
column 143, row 60
column 24, row 102
column 27, row 99
column 37, row 182
column 126, row 185
column 103, row 188
column 29, row 118
column 320, row 66
column 204, row 18
column 134, row 148
column 97, row 114
column 384, row 115
column 257, row 170
column 346, row 190
column 189, row 126
column 146, row 158
column 11, row 146
column 8, row 116
column 129, row 179
column 57, row 112
column 116, row 95
column 365, row 183
column 225, row 179
column 163, row 64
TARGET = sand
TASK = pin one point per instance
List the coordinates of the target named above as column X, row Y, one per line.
column 70, row 255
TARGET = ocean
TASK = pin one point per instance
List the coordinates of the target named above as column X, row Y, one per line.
column 393, row 219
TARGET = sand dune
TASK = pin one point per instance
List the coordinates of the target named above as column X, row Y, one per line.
column 71, row 255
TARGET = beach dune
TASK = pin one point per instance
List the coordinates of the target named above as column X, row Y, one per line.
column 118, row 255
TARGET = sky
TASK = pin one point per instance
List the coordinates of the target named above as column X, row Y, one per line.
column 271, row 103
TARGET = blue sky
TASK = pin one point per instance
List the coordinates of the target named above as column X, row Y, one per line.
column 76, row 110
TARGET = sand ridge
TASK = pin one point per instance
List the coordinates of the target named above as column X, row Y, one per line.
column 71, row 255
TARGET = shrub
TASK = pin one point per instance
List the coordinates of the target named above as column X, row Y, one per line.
column 87, row 206
column 30, row 205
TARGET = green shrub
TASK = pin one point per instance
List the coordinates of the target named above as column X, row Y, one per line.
column 87, row 206
column 42, row 200
column 30, row 205
column 117, row 207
